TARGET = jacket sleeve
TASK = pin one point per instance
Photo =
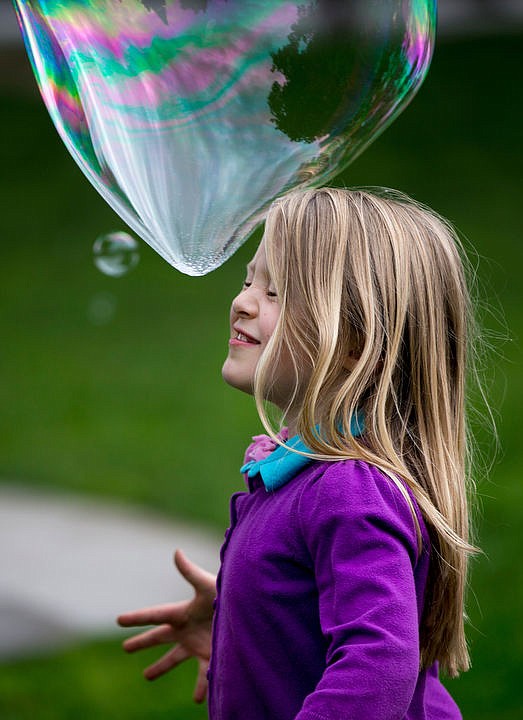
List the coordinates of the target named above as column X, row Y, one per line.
column 363, row 545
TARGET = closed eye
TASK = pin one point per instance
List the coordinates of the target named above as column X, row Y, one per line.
column 248, row 283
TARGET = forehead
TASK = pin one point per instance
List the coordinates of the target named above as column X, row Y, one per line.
column 258, row 263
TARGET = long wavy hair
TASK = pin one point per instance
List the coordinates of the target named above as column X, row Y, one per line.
column 376, row 318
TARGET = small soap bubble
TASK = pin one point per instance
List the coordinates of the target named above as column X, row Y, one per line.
column 101, row 309
column 116, row 253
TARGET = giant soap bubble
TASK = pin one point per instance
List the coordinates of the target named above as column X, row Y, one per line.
column 191, row 116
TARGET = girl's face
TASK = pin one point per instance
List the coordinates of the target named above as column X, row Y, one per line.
column 254, row 314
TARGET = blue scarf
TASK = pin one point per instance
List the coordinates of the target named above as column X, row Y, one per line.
column 282, row 464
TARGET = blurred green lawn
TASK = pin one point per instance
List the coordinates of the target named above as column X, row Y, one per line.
column 133, row 407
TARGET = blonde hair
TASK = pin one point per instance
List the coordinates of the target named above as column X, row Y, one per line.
column 375, row 315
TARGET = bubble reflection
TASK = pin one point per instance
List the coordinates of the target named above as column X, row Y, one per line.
column 191, row 116
column 116, row 254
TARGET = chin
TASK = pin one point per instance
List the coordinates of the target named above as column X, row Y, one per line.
column 235, row 380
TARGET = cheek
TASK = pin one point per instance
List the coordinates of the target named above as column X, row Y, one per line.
column 268, row 322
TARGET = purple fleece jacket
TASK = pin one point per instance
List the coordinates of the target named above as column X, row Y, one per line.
column 319, row 599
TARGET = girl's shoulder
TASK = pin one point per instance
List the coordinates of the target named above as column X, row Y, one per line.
column 353, row 480
column 362, row 496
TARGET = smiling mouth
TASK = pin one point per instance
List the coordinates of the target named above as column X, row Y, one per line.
column 242, row 338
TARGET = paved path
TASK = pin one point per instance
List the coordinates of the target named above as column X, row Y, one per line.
column 68, row 566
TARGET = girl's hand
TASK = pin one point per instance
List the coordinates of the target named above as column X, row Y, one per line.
column 187, row 623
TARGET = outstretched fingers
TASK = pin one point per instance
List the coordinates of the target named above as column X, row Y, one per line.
column 187, row 623
column 167, row 662
column 200, row 579
column 171, row 613
column 200, row 689
column 149, row 638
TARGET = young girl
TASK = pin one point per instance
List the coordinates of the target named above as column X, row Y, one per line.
column 342, row 580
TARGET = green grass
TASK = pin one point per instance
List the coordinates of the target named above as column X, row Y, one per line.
column 98, row 682
column 135, row 409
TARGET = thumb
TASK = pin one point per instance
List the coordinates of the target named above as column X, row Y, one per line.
column 200, row 579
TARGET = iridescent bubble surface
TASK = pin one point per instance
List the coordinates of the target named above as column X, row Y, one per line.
column 191, row 116
column 116, row 253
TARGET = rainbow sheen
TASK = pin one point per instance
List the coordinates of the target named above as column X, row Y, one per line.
column 191, row 116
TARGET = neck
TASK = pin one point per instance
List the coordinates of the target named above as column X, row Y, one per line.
column 292, row 430
column 291, row 421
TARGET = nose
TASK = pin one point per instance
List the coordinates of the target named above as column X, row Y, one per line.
column 245, row 303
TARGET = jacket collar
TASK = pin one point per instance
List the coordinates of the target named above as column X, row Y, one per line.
column 282, row 464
